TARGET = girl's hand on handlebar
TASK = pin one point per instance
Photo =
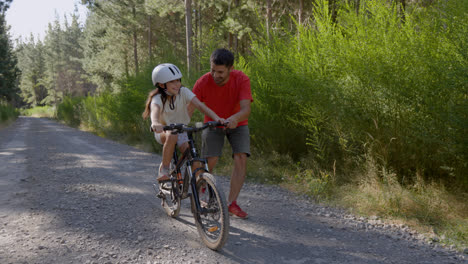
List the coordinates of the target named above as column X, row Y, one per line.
column 157, row 128
column 220, row 120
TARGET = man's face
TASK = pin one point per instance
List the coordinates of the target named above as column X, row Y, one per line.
column 220, row 73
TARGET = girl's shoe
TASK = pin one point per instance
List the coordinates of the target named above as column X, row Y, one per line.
column 164, row 179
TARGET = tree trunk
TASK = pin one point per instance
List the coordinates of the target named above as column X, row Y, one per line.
column 135, row 50
column 301, row 10
column 188, row 33
column 195, row 35
column 229, row 33
column 403, row 10
column 332, row 9
column 150, row 35
column 235, row 36
column 200, row 36
column 268, row 21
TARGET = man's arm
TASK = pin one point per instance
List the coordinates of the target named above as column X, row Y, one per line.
column 204, row 109
column 190, row 108
column 242, row 115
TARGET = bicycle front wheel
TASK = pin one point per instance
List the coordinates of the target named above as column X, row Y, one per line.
column 213, row 221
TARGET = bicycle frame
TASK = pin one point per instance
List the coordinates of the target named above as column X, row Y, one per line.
column 207, row 200
column 189, row 157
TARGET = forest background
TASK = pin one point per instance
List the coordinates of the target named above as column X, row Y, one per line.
column 359, row 103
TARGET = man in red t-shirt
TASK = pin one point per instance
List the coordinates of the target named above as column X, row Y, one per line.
column 227, row 92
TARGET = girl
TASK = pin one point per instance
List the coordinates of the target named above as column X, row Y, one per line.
column 168, row 104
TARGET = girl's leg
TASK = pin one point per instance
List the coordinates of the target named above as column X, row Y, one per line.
column 169, row 140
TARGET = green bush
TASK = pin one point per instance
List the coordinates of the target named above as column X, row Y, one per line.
column 7, row 111
column 69, row 111
column 369, row 84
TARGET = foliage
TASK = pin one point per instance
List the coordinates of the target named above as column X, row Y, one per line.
column 116, row 115
column 8, row 62
column 431, row 208
column 4, row 5
column 40, row 111
column 7, row 111
column 371, row 84
column 52, row 69
column 68, row 111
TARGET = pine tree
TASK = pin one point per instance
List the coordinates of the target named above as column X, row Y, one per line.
column 8, row 63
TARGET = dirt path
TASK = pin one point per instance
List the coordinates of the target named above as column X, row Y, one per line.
column 71, row 197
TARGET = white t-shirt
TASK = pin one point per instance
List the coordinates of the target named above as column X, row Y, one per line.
column 180, row 112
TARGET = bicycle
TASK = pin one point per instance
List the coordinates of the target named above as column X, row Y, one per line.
column 207, row 199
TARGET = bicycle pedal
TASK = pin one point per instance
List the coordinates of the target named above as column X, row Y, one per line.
column 165, row 186
column 161, row 195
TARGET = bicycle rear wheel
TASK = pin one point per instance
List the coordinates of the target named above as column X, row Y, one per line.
column 213, row 222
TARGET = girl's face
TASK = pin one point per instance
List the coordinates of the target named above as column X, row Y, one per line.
column 173, row 87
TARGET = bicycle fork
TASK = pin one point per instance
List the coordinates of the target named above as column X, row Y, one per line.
column 194, row 197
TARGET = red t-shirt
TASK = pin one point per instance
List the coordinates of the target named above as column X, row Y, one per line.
column 224, row 100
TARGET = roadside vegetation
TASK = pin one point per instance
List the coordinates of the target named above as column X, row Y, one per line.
column 39, row 111
column 362, row 107
column 7, row 113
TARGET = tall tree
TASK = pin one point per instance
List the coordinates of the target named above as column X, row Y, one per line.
column 8, row 62
column 128, row 15
column 268, row 19
column 188, row 34
column 4, row 5
column 32, row 64
column 53, row 68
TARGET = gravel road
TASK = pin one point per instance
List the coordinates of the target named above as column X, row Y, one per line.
column 69, row 196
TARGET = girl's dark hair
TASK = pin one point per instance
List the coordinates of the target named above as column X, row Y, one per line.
column 222, row 57
column 151, row 94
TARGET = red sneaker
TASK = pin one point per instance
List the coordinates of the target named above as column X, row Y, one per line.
column 234, row 209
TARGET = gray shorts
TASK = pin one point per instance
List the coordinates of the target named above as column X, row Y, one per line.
column 181, row 138
column 213, row 141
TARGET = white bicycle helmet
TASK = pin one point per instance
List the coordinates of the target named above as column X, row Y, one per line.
column 164, row 73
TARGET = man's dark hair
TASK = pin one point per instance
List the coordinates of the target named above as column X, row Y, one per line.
column 222, row 57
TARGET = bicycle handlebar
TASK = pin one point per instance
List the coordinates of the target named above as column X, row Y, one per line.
column 181, row 128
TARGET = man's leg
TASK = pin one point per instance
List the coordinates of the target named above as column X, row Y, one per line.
column 212, row 145
column 212, row 161
column 238, row 176
column 240, row 143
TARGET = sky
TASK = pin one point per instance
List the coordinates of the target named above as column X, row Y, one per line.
column 33, row 16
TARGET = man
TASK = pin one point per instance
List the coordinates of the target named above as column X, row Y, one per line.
column 227, row 92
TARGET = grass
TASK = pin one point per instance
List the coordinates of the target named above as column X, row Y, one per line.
column 428, row 208
column 7, row 114
column 40, row 111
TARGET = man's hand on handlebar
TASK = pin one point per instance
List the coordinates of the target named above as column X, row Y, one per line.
column 230, row 123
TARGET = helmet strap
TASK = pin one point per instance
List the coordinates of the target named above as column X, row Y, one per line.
column 171, row 99
column 166, row 91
